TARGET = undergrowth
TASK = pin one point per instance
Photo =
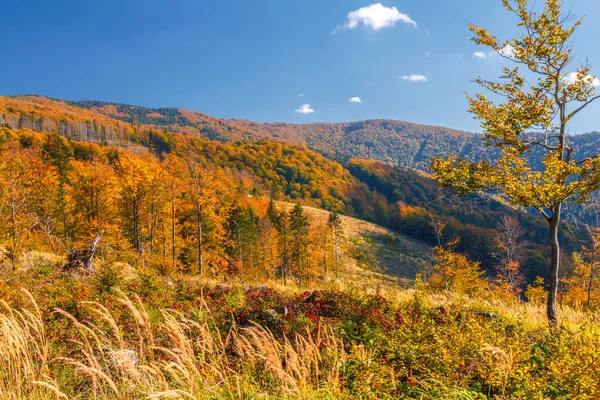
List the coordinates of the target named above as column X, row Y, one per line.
column 136, row 335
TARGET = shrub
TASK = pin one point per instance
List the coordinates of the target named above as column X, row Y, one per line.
column 456, row 273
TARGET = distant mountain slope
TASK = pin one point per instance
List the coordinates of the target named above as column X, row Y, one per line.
column 404, row 144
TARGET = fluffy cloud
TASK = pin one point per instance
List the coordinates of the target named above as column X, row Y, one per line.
column 507, row 51
column 355, row 100
column 305, row 109
column 415, row 78
column 377, row 17
column 572, row 78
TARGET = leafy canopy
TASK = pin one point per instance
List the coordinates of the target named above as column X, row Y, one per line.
column 539, row 97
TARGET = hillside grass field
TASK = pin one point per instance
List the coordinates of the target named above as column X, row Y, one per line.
column 131, row 333
column 121, row 333
column 372, row 251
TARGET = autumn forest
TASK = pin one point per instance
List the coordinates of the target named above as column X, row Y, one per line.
column 165, row 253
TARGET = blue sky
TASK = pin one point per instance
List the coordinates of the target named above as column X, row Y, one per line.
column 253, row 59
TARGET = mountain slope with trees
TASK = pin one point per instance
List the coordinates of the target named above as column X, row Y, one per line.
column 91, row 143
column 407, row 145
column 404, row 144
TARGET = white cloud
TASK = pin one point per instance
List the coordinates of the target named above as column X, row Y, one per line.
column 415, row 78
column 377, row 17
column 301, row 95
column 355, row 100
column 572, row 78
column 507, row 51
column 305, row 109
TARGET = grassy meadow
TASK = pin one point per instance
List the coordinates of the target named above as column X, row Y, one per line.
column 121, row 333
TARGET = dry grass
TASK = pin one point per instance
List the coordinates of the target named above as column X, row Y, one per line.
column 383, row 252
column 190, row 360
column 533, row 316
column 130, row 355
column 24, row 349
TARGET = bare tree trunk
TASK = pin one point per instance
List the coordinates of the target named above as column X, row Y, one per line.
column 336, row 256
column 153, row 223
column 136, row 240
column 324, row 253
column 554, row 222
column 13, row 232
column 592, row 271
column 272, row 253
column 200, row 253
column 240, row 251
column 164, row 241
column 299, row 250
column 91, row 252
column 285, row 254
column 82, row 258
column 173, row 234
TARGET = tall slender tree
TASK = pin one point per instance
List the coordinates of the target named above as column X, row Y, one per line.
column 174, row 173
column 335, row 226
column 299, row 225
column 15, row 192
column 202, row 192
column 58, row 152
column 537, row 98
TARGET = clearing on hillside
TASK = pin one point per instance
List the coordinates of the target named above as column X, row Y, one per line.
column 372, row 251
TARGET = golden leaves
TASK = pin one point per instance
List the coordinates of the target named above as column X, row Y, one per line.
column 530, row 116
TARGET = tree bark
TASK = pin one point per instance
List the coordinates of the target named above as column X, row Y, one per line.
column 82, row 258
column 13, row 232
column 336, row 255
column 173, row 261
column 239, row 234
column 136, row 240
column 592, row 272
column 200, row 253
column 91, row 252
column 554, row 222
column 285, row 254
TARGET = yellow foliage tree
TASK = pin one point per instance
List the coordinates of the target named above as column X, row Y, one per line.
column 93, row 190
column 455, row 272
column 532, row 118
column 536, row 294
column 204, row 189
column 583, row 287
column 16, row 190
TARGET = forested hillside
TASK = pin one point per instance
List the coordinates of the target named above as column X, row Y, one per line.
column 407, row 145
column 91, row 145
column 404, row 144
column 172, row 213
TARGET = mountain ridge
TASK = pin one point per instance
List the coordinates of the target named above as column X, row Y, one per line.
column 395, row 142
column 405, row 144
